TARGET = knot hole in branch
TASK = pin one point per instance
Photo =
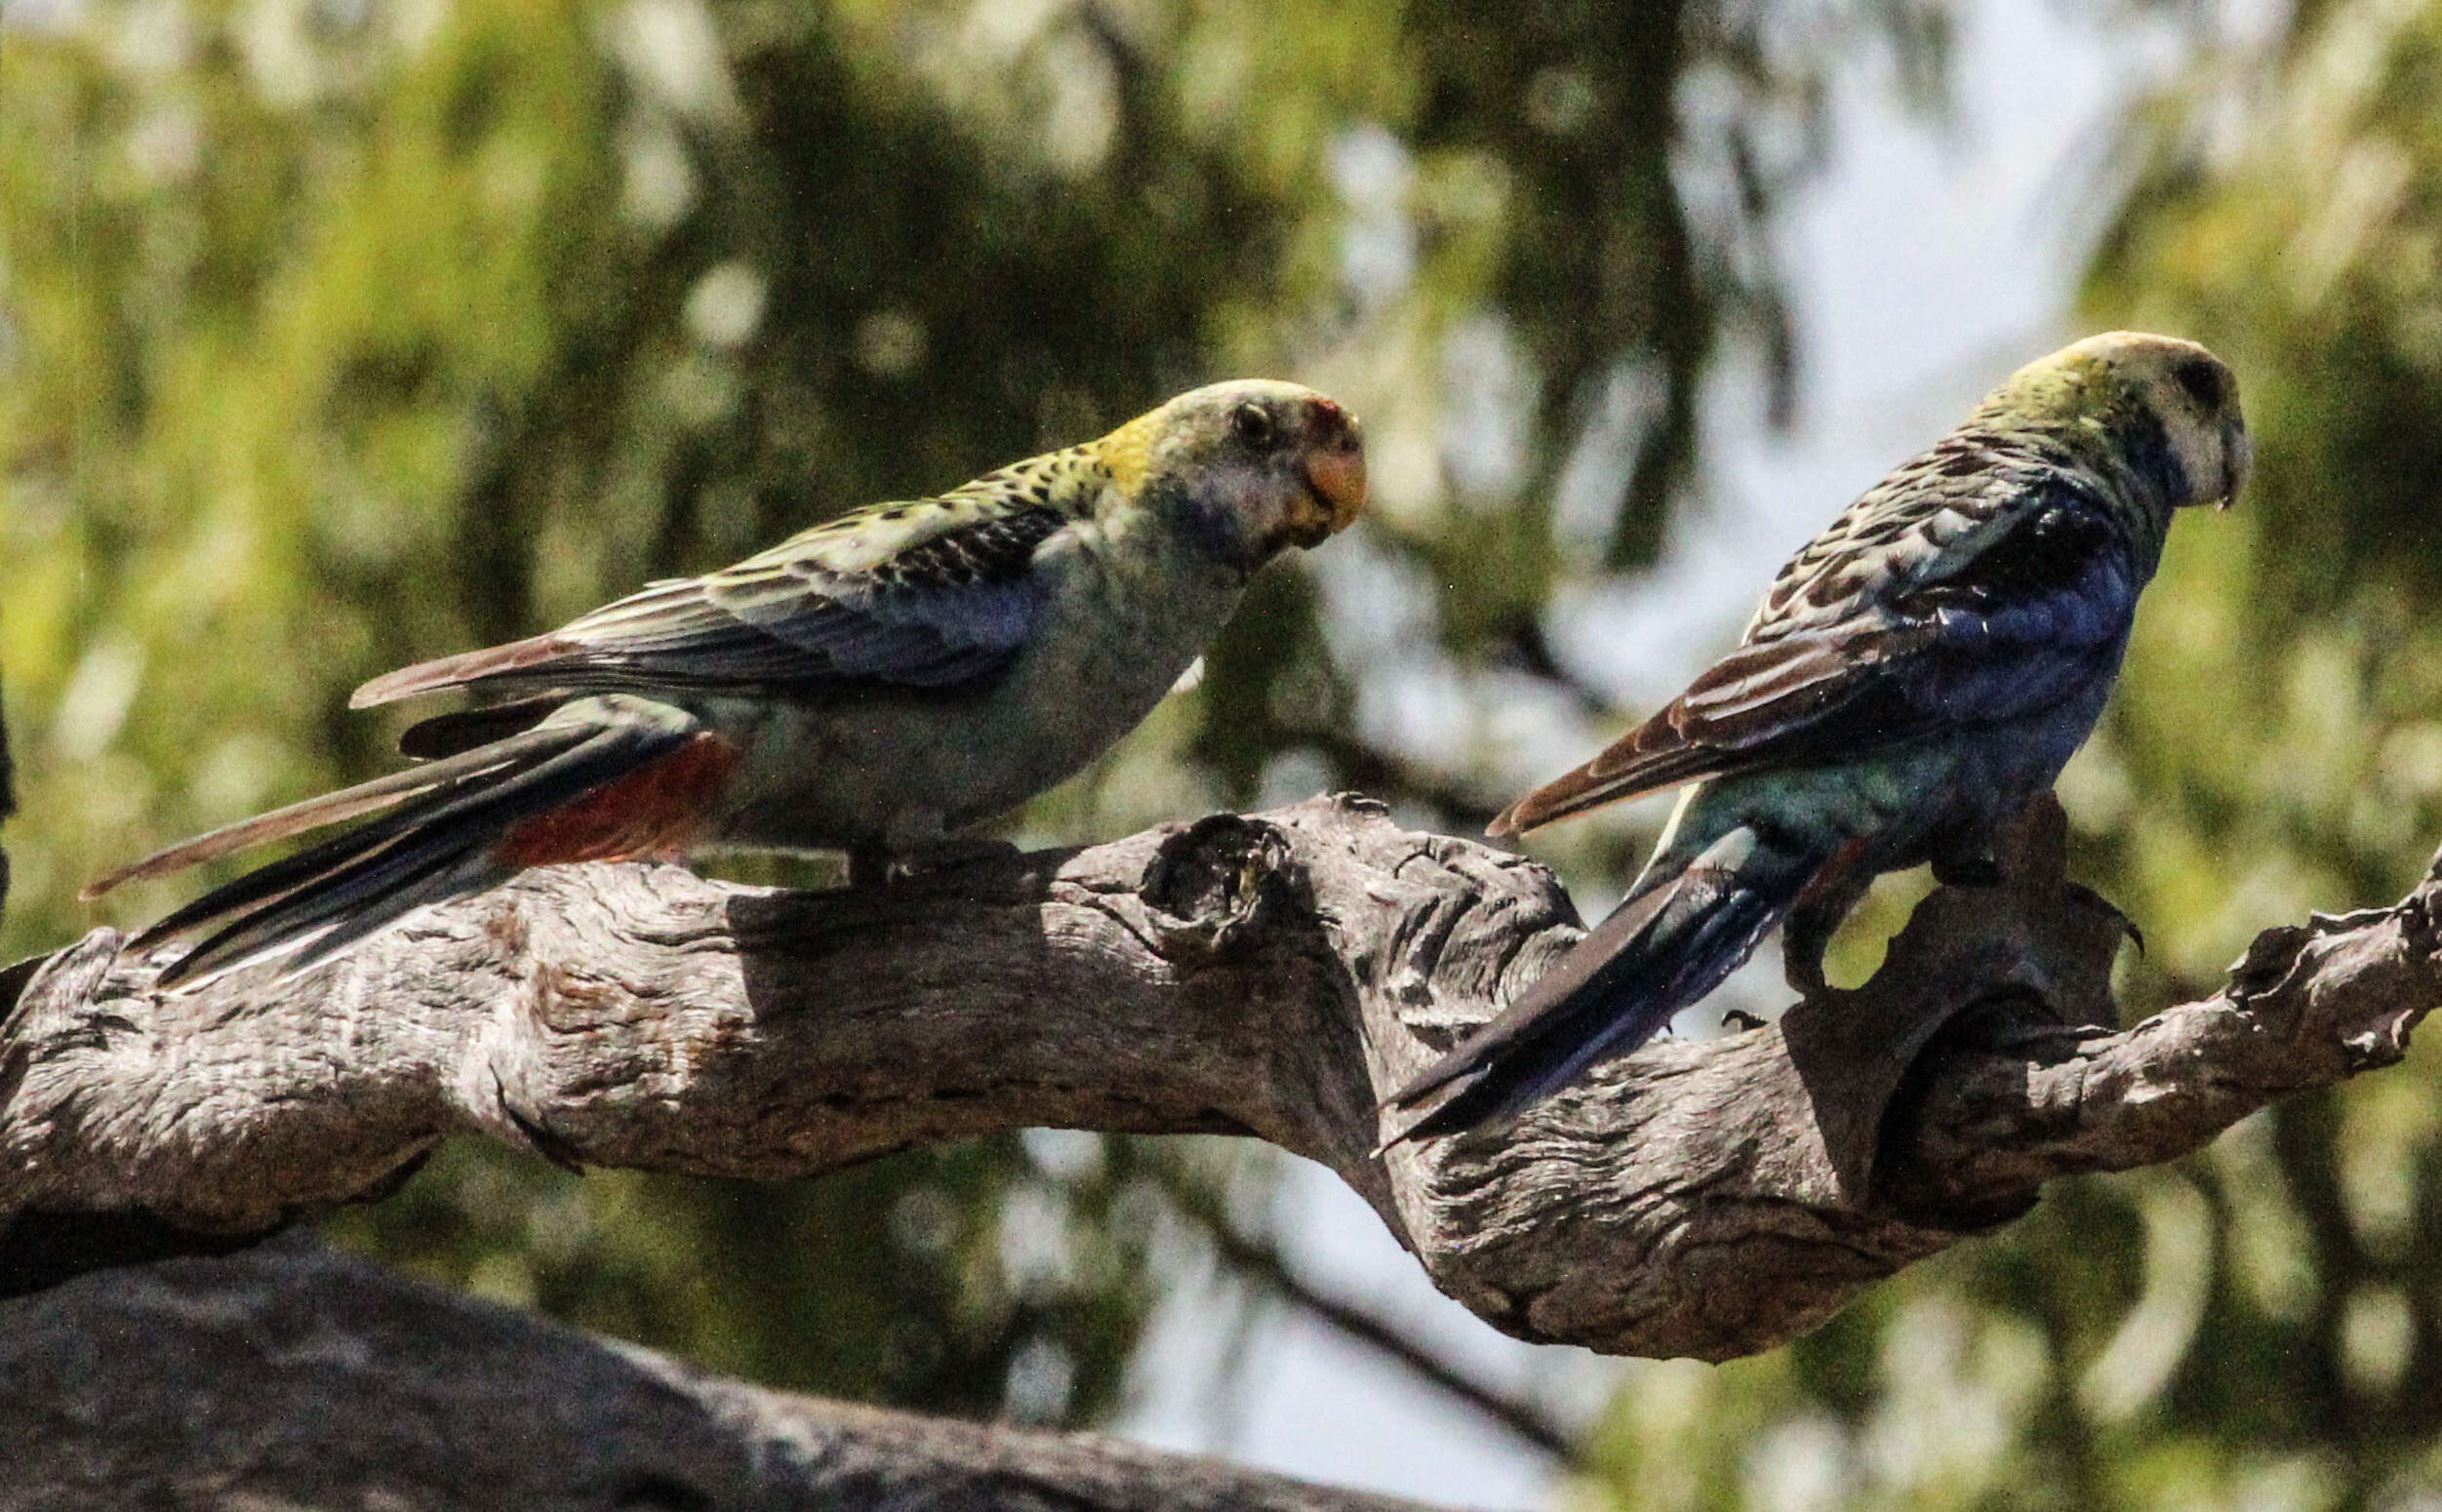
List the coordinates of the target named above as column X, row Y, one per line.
column 1216, row 884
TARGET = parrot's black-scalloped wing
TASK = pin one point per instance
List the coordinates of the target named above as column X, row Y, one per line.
column 2016, row 626
column 950, row 603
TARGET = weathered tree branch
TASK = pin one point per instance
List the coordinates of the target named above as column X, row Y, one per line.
column 297, row 1377
column 1268, row 976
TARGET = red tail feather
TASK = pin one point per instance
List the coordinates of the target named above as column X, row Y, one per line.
column 652, row 813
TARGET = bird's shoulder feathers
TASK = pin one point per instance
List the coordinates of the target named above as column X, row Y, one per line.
column 1993, row 611
column 1932, row 517
column 922, row 593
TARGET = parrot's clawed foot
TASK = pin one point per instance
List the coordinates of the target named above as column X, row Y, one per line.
column 1803, row 943
column 883, row 869
column 1738, row 1021
column 1821, row 905
column 1803, row 969
column 1970, row 870
column 2088, row 898
column 868, row 866
column 2051, row 1040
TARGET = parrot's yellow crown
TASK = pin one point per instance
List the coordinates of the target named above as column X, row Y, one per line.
column 2124, row 382
column 1252, row 427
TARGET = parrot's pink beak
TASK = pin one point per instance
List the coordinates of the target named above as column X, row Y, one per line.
column 1335, row 468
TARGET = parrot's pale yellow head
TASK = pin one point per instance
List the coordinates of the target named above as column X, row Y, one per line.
column 1264, row 465
column 2163, row 406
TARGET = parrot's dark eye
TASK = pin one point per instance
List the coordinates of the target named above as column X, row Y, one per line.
column 2202, row 380
column 1252, row 424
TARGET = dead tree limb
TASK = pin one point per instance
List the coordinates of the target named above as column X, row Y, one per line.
column 293, row 1376
column 1268, row 976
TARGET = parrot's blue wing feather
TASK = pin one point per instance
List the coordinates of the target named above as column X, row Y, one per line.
column 950, row 606
column 2017, row 625
column 934, row 594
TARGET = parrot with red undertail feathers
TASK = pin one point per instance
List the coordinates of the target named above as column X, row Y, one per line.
column 1915, row 675
column 869, row 685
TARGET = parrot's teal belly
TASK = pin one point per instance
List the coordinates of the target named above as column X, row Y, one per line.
column 1903, row 802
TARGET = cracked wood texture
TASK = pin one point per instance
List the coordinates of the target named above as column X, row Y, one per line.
column 294, row 1378
column 1268, row 975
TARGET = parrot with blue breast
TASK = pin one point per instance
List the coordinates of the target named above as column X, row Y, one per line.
column 870, row 685
column 1915, row 675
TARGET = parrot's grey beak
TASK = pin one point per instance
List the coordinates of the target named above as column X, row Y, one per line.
column 2238, row 455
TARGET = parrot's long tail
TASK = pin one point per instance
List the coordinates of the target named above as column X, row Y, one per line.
column 611, row 779
column 1662, row 949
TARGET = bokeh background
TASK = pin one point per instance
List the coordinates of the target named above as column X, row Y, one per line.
column 336, row 334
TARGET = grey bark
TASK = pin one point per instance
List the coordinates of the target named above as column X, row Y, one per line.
column 292, row 1377
column 1269, row 976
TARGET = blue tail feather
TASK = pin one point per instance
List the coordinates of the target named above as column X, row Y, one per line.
column 1661, row 950
column 434, row 845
